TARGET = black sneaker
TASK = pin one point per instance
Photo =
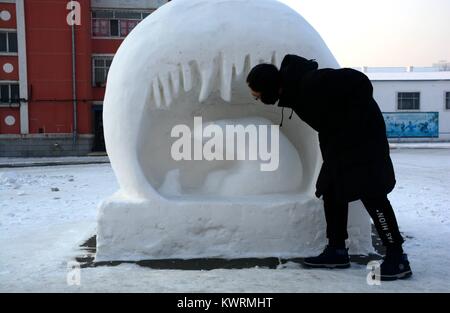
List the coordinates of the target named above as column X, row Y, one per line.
column 394, row 266
column 329, row 258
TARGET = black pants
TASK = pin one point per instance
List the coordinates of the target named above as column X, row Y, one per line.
column 379, row 209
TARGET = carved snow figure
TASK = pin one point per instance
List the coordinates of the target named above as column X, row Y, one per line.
column 190, row 59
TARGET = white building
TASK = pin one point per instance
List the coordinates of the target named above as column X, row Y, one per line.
column 414, row 101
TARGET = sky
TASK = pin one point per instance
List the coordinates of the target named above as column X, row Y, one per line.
column 381, row 32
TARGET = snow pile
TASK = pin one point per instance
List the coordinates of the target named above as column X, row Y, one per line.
column 9, row 179
column 15, row 180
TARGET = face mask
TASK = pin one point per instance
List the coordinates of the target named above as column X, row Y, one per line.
column 269, row 97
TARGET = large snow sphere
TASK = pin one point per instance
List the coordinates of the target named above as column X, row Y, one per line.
column 191, row 58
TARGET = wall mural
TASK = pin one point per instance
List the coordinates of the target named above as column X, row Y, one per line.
column 412, row 124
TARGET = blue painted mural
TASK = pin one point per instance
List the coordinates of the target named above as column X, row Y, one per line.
column 412, row 124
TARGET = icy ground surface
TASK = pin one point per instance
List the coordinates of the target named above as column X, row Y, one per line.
column 41, row 230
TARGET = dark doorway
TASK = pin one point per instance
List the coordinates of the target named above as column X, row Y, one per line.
column 99, row 139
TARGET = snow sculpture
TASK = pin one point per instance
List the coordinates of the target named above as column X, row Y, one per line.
column 190, row 59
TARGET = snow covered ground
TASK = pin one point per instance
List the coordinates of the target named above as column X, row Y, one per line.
column 47, row 212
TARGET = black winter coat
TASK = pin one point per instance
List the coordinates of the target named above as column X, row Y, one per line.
column 339, row 105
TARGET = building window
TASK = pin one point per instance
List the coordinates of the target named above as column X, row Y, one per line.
column 9, row 93
column 100, row 70
column 8, row 41
column 447, row 100
column 111, row 23
column 409, row 100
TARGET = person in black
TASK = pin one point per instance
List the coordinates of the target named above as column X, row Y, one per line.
column 339, row 105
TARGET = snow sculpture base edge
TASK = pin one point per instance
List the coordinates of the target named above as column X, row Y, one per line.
column 285, row 227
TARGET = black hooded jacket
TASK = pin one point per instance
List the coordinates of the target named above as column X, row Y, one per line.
column 339, row 105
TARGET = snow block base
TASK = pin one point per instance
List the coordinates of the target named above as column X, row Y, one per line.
column 284, row 226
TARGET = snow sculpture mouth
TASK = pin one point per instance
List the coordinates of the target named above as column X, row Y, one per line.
column 190, row 59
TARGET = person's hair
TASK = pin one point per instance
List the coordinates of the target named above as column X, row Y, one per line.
column 264, row 77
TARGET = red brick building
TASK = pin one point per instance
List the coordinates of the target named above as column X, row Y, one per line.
column 54, row 58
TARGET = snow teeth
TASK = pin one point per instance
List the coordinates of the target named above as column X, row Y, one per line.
column 218, row 73
column 157, row 93
column 241, row 65
column 247, row 64
column 208, row 77
column 226, row 76
column 186, row 72
column 166, row 90
column 274, row 60
column 174, row 78
column 253, row 61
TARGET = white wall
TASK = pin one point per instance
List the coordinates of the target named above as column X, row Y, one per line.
column 432, row 99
